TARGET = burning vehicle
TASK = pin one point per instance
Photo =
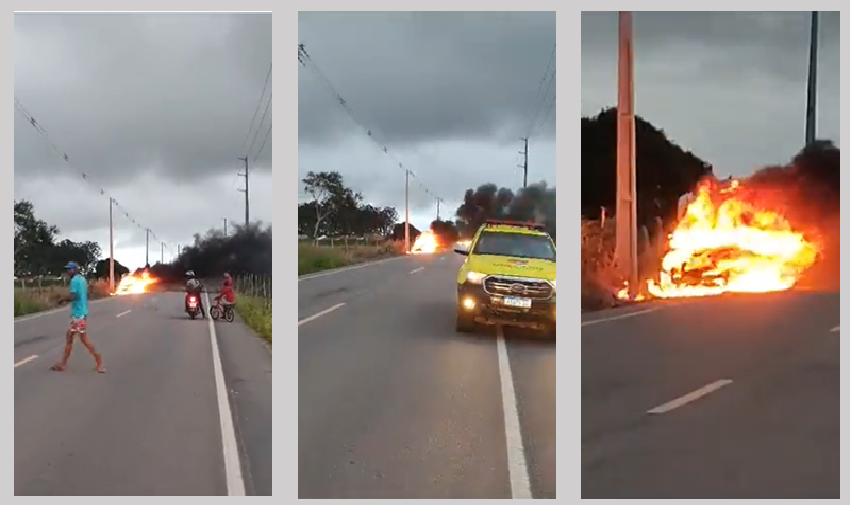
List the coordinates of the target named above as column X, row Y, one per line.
column 729, row 241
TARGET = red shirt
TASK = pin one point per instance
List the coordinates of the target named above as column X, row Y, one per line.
column 227, row 292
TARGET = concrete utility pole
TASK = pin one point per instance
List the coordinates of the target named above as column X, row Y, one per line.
column 225, row 225
column 245, row 175
column 406, row 211
column 812, row 91
column 525, row 162
column 438, row 209
column 147, row 246
column 111, row 248
column 162, row 253
column 626, row 214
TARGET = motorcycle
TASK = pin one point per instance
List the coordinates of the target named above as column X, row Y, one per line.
column 218, row 310
column 193, row 307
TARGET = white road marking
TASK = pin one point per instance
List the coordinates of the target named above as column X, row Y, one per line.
column 26, row 360
column 229, row 449
column 619, row 316
column 835, row 330
column 124, row 313
column 517, row 465
column 690, row 397
column 54, row 311
column 346, row 269
column 317, row 315
column 417, row 270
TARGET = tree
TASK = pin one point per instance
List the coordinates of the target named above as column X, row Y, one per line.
column 664, row 170
column 327, row 190
column 33, row 239
column 101, row 269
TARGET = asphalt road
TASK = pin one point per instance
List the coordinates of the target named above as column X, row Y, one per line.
column 744, row 394
column 152, row 425
column 392, row 403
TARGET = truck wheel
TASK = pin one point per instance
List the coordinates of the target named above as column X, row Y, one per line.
column 464, row 323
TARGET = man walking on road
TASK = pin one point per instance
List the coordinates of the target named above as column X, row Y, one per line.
column 79, row 298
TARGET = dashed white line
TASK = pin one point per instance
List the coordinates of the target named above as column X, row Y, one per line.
column 346, row 269
column 417, row 270
column 26, row 360
column 690, row 397
column 517, row 465
column 835, row 330
column 124, row 313
column 229, row 449
column 619, row 316
column 319, row 314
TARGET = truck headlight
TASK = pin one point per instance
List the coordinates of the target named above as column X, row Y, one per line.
column 474, row 277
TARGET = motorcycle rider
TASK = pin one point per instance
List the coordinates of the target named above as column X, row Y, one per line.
column 226, row 295
column 193, row 287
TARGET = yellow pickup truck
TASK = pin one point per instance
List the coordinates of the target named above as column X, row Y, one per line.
column 507, row 278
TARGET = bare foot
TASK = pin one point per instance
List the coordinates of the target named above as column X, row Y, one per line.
column 58, row 367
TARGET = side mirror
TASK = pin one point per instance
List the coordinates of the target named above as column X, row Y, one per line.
column 463, row 251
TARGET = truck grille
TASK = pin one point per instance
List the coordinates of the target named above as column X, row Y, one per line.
column 510, row 286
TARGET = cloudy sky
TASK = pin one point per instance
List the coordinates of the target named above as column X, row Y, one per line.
column 731, row 87
column 448, row 94
column 155, row 109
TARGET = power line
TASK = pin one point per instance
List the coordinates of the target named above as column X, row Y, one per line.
column 304, row 58
column 268, row 132
column 543, row 79
column 263, row 120
column 259, row 103
column 22, row 110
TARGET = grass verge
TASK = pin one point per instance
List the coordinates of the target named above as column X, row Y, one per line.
column 257, row 314
column 312, row 259
column 29, row 300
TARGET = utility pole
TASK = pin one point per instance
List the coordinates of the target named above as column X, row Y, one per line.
column 162, row 253
column 111, row 249
column 811, row 92
column 438, row 209
column 147, row 247
column 225, row 225
column 178, row 250
column 406, row 211
column 524, row 152
column 626, row 213
column 245, row 175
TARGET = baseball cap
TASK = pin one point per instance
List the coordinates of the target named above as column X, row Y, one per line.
column 71, row 265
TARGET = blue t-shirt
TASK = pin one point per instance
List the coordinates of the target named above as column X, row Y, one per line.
column 80, row 306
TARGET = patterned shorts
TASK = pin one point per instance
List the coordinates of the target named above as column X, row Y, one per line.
column 78, row 325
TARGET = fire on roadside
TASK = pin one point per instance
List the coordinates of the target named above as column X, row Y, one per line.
column 426, row 243
column 134, row 284
column 728, row 242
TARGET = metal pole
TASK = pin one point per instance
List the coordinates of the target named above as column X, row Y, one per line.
column 626, row 216
column 111, row 249
column 406, row 211
column 812, row 90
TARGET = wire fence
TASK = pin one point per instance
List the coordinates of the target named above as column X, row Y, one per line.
column 256, row 286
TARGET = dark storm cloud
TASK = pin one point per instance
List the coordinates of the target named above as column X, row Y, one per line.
column 420, row 76
column 448, row 94
column 129, row 93
column 729, row 86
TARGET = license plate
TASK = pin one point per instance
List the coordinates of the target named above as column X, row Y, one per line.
column 520, row 303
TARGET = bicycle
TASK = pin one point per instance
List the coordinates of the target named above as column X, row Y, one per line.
column 218, row 310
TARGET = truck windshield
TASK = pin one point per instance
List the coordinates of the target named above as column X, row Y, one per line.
column 516, row 245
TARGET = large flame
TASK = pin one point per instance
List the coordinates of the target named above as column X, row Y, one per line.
column 134, row 284
column 426, row 243
column 724, row 243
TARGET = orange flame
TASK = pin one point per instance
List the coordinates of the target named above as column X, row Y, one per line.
column 134, row 284
column 426, row 243
column 725, row 244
